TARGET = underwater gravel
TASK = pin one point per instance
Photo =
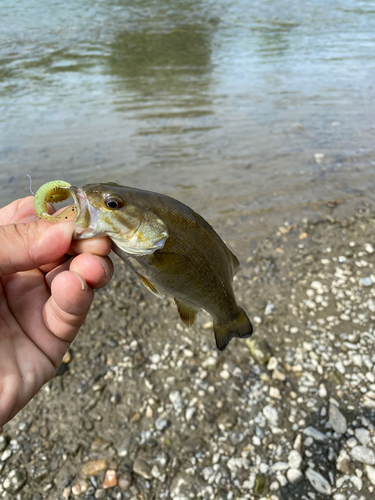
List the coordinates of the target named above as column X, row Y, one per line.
column 144, row 408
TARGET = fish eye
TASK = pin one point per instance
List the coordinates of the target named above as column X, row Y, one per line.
column 114, row 203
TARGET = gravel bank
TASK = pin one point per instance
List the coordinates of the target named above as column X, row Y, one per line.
column 144, row 408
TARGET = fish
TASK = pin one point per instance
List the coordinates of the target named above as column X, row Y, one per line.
column 171, row 248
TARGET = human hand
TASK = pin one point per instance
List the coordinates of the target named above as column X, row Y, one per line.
column 45, row 295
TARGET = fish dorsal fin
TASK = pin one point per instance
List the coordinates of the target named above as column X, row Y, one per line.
column 235, row 262
column 187, row 312
column 150, row 287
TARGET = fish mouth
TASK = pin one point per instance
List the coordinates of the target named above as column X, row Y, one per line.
column 87, row 216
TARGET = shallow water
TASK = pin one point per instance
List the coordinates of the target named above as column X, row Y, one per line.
column 229, row 106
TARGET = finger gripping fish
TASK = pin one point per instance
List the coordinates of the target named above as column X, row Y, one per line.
column 53, row 192
column 171, row 248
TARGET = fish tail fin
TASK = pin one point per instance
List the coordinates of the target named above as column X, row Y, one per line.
column 239, row 327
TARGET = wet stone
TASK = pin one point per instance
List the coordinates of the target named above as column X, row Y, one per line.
column 337, row 419
column 100, row 493
column 15, row 480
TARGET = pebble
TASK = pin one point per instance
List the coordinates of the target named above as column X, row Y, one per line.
column 275, row 393
column 125, row 481
column 369, row 248
column 80, row 487
column 270, row 413
column 259, row 349
column 5, row 455
column 357, row 482
column 343, row 462
column 3, row 442
column 315, row 434
column 141, row 468
column 318, row 482
column 370, row 471
column 94, row 467
column 110, row 479
column 297, row 445
column 337, row 419
column 176, row 400
column 100, row 493
column 363, row 455
column 161, row 424
column 15, row 481
column 363, row 436
column 294, row 459
column 280, row 466
column 270, row 307
column 294, row 476
column 366, row 281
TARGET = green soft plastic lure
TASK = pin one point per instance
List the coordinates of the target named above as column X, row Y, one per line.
column 53, row 192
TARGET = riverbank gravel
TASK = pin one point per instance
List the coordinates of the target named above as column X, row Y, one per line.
column 144, row 408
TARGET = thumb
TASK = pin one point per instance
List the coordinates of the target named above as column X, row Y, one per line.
column 28, row 246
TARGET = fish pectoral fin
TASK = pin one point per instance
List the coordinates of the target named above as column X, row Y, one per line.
column 187, row 312
column 240, row 327
column 150, row 287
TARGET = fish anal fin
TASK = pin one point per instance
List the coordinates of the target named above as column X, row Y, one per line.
column 239, row 327
column 187, row 312
column 150, row 287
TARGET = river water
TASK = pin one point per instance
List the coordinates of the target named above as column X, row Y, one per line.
column 252, row 112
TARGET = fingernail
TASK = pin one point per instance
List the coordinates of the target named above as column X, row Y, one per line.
column 83, row 283
column 104, row 264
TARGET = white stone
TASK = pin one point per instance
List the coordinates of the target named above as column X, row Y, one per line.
column 272, row 364
column 363, row 436
column 322, row 391
column 280, row 466
column 275, row 393
column 357, row 482
column 176, row 400
column 294, row 476
column 270, row 413
column 363, row 455
column 337, row 419
column 370, row 471
column 318, row 482
column 315, row 434
column 294, row 459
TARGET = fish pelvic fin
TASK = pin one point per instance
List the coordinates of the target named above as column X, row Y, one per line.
column 187, row 312
column 150, row 287
column 240, row 327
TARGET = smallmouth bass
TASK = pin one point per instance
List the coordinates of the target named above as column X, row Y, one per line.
column 170, row 247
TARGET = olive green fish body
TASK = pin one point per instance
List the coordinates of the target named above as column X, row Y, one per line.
column 192, row 264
